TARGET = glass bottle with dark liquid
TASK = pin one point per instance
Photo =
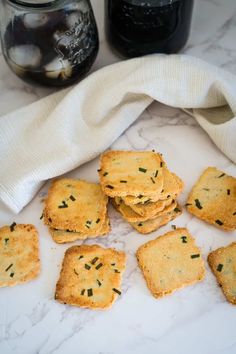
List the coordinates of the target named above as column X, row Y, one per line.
column 136, row 27
column 52, row 42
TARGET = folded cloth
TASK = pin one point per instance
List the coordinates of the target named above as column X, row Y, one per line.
column 64, row 130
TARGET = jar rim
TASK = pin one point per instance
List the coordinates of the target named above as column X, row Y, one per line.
column 33, row 3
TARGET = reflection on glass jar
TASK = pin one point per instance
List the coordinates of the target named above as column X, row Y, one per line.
column 51, row 42
column 137, row 27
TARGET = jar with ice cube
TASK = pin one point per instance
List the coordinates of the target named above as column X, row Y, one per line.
column 51, row 42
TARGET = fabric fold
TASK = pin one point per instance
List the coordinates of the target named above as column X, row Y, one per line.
column 62, row 131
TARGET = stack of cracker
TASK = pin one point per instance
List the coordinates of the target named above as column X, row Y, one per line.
column 142, row 188
column 75, row 210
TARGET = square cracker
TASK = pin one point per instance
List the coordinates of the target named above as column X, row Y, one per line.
column 131, row 216
column 145, row 227
column 151, row 209
column 75, row 205
column 213, row 199
column 223, row 265
column 90, row 276
column 64, row 236
column 131, row 173
column 19, row 254
column 172, row 187
column 170, row 262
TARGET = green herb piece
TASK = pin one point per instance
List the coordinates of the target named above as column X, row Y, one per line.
column 206, row 189
column 161, row 164
column 198, row 204
column 86, row 266
column 187, row 204
column 12, row 227
column 12, row 275
column 113, row 264
column 140, row 224
column 219, row 222
column 88, row 227
column 184, row 239
column 152, row 180
column 81, row 256
column 98, row 220
column 67, row 230
column 176, row 210
column 72, row 198
column 82, row 292
column 117, row 291
column 99, row 266
column 123, row 181
column 8, row 267
column 6, row 240
column 90, row 292
column 141, row 169
column 94, row 260
column 109, row 186
column 140, row 196
column 219, row 267
column 147, row 201
column 99, row 283
column 162, row 190
column 153, row 150
column 116, row 271
column 64, row 205
column 228, row 191
column 41, row 217
column 195, row 255
column 156, row 173
column 105, row 174
column 168, row 196
column 89, row 222
column 75, row 272
column 222, row 175
column 173, row 227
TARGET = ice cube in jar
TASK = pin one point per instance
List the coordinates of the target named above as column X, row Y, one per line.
column 51, row 47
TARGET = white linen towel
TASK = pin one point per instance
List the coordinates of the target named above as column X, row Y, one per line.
column 62, row 131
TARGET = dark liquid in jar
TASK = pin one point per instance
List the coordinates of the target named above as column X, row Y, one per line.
column 137, row 29
column 54, row 49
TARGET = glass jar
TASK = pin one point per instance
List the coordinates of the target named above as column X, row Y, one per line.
column 52, row 42
column 137, row 27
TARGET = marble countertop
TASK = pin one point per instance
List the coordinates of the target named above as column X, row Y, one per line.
column 196, row 319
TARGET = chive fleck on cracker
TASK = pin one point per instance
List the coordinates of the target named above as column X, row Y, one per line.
column 145, row 227
column 223, row 265
column 76, row 205
column 90, row 277
column 213, row 199
column 129, row 172
column 64, row 236
column 170, row 262
column 19, row 254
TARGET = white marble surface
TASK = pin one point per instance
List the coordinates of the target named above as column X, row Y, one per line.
column 196, row 319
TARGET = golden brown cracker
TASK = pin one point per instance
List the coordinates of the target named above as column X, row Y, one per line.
column 170, row 262
column 75, row 205
column 19, row 254
column 90, row 277
column 213, row 199
column 223, row 265
column 131, row 172
column 151, row 209
column 64, row 236
column 172, row 187
column 148, row 226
